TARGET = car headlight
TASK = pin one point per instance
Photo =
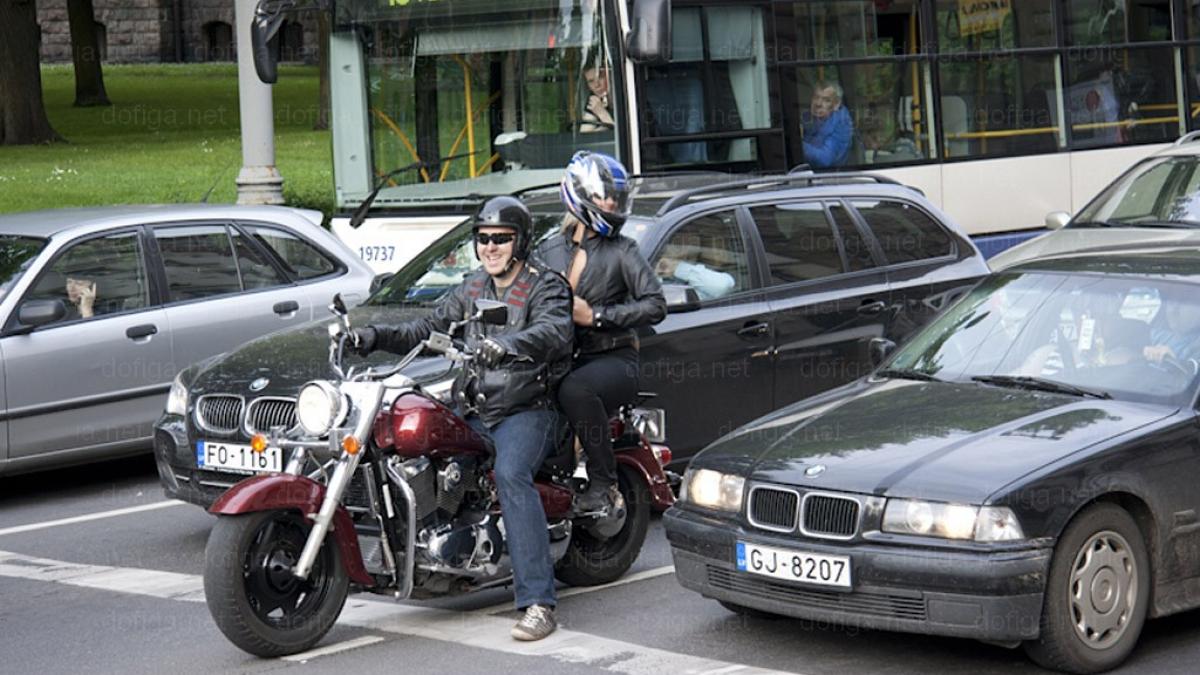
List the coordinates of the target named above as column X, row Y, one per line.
column 178, row 398
column 713, row 489
column 320, row 407
column 951, row 521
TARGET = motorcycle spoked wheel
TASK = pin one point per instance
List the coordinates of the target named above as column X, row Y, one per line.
column 252, row 595
column 591, row 561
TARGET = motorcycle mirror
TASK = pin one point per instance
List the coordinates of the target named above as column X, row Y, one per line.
column 492, row 312
column 339, row 306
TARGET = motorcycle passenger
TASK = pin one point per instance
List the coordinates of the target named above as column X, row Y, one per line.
column 616, row 292
column 512, row 399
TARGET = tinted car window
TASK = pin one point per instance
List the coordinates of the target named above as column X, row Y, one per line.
column 16, row 253
column 904, row 232
column 301, row 259
column 707, row 254
column 858, row 253
column 257, row 271
column 798, row 240
column 198, row 261
column 99, row 276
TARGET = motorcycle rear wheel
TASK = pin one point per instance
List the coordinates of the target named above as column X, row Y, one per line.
column 590, row 561
column 252, row 595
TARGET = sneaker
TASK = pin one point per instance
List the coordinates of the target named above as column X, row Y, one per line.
column 597, row 497
column 537, row 623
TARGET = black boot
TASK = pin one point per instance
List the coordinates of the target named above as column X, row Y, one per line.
column 597, row 497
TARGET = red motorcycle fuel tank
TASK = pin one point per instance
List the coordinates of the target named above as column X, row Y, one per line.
column 417, row 426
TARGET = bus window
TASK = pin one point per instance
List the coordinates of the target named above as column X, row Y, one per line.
column 716, row 82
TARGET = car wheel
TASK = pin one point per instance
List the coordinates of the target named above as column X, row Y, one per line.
column 1096, row 595
column 749, row 612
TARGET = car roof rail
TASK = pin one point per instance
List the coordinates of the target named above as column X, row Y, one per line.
column 1188, row 138
column 801, row 176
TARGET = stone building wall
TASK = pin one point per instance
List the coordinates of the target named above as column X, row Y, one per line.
column 144, row 31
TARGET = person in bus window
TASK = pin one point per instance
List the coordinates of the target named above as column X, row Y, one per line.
column 828, row 129
column 597, row 116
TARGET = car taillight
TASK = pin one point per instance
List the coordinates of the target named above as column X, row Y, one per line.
column 662, row 453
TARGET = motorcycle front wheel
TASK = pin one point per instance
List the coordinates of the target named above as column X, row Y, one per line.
column 252, row 594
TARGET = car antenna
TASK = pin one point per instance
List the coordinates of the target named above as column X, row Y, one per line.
column 360, row 214
column 220, row 174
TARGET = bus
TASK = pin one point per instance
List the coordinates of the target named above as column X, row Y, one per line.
column 1000, row 111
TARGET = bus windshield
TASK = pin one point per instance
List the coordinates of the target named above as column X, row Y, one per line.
column 510, row 89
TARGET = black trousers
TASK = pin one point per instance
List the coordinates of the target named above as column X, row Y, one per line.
column 597, row 385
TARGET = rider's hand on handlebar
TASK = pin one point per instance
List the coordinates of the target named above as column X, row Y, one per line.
column 490, row 352
column 362, row 340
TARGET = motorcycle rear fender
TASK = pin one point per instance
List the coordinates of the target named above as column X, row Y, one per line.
column 641, row 460
column 283, row 491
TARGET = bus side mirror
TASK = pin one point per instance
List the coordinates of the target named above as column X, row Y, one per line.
column 268, row 17
column 649, row 31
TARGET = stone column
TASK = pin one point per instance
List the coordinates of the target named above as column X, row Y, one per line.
column 259, row 181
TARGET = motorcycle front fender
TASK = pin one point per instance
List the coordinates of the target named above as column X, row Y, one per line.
column 281, row 491
column 640, row 458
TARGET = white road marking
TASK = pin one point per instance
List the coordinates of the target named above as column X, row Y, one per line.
column 465, row 628
column 580, row 590
column 333, row 648
column 91, row 516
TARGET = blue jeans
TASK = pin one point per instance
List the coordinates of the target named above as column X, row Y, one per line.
column 523, row 441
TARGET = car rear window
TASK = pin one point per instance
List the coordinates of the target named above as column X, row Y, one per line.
column 301, row 259
column 904, row 232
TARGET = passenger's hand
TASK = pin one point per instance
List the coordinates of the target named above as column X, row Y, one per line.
column 581, row 313
column 595, row 105
column 666, row 267
column 362, row 340
column 490, row 353
column 87, row 299
column 1156, row 353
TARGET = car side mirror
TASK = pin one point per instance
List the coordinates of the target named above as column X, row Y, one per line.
column 492, row 312
column 381, row 280
column 1057, row 220
column 339, row 306
column 649, row 38
column 34, row 313
column 880, row 349
column 681, row 298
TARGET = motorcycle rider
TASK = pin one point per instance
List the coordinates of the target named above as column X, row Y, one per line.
column 616, row 292
column 512, row 398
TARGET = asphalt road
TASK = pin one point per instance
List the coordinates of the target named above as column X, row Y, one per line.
column 122, row 594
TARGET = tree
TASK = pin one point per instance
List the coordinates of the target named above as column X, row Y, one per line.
column 85, row 51
column 23, row 118
column 322, row 67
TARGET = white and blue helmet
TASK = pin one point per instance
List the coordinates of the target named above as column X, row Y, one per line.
column 595, row 189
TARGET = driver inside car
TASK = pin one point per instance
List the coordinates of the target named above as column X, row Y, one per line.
column 512, row 399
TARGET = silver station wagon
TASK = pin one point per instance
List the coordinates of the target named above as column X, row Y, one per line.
column 101, row 307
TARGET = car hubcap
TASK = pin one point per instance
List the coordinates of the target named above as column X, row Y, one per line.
column 1103, row 589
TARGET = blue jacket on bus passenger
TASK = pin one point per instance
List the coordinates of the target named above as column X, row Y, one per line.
column 827, row 142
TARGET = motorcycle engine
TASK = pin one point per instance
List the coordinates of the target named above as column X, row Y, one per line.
column 471, row 545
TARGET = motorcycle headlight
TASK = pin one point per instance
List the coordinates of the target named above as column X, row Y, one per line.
column 178, row 398
column 951, row 521
column 320, row 407
column 713, row 489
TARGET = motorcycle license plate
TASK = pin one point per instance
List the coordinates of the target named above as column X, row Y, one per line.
column 237, row 458
column 781, row 563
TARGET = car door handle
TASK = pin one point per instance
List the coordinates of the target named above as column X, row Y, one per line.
column 869, row 307
column 755, row 329
column 286, row 307
column 139, row 332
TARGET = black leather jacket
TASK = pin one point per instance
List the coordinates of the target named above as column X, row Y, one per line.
column 537, row 338
column 617, row 282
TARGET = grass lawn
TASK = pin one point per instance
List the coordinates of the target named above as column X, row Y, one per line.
column 171, row 133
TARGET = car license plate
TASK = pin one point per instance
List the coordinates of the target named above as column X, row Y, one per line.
column 780, row 563
column 237, row 458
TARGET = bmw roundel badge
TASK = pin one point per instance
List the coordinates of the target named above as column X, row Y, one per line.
column 259, row 384
column 814, row 470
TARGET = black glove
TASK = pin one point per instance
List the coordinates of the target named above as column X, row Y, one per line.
column 490, row 352
column 362, row 340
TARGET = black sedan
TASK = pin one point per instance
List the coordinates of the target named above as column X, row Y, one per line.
column 1022, row 471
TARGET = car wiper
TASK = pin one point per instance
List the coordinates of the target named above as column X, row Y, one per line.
column 1040, row 384
column 1172, row 224
column 360, row 214
column 1096, row 223
column 908, row 374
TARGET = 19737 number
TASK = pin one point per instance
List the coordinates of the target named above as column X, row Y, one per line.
column 377, row 253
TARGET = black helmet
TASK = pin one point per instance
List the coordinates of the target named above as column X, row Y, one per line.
column 506, row 212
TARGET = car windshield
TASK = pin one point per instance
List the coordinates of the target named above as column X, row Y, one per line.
column 16, row 254
column 1159, row 192
column 1133, row 339
column 450, row 259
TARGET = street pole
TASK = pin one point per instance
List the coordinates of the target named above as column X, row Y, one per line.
column 259, row 181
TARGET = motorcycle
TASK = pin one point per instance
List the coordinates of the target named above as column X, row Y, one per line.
column 388, row 490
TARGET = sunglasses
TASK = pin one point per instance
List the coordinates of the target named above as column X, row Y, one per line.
column 499, row 239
